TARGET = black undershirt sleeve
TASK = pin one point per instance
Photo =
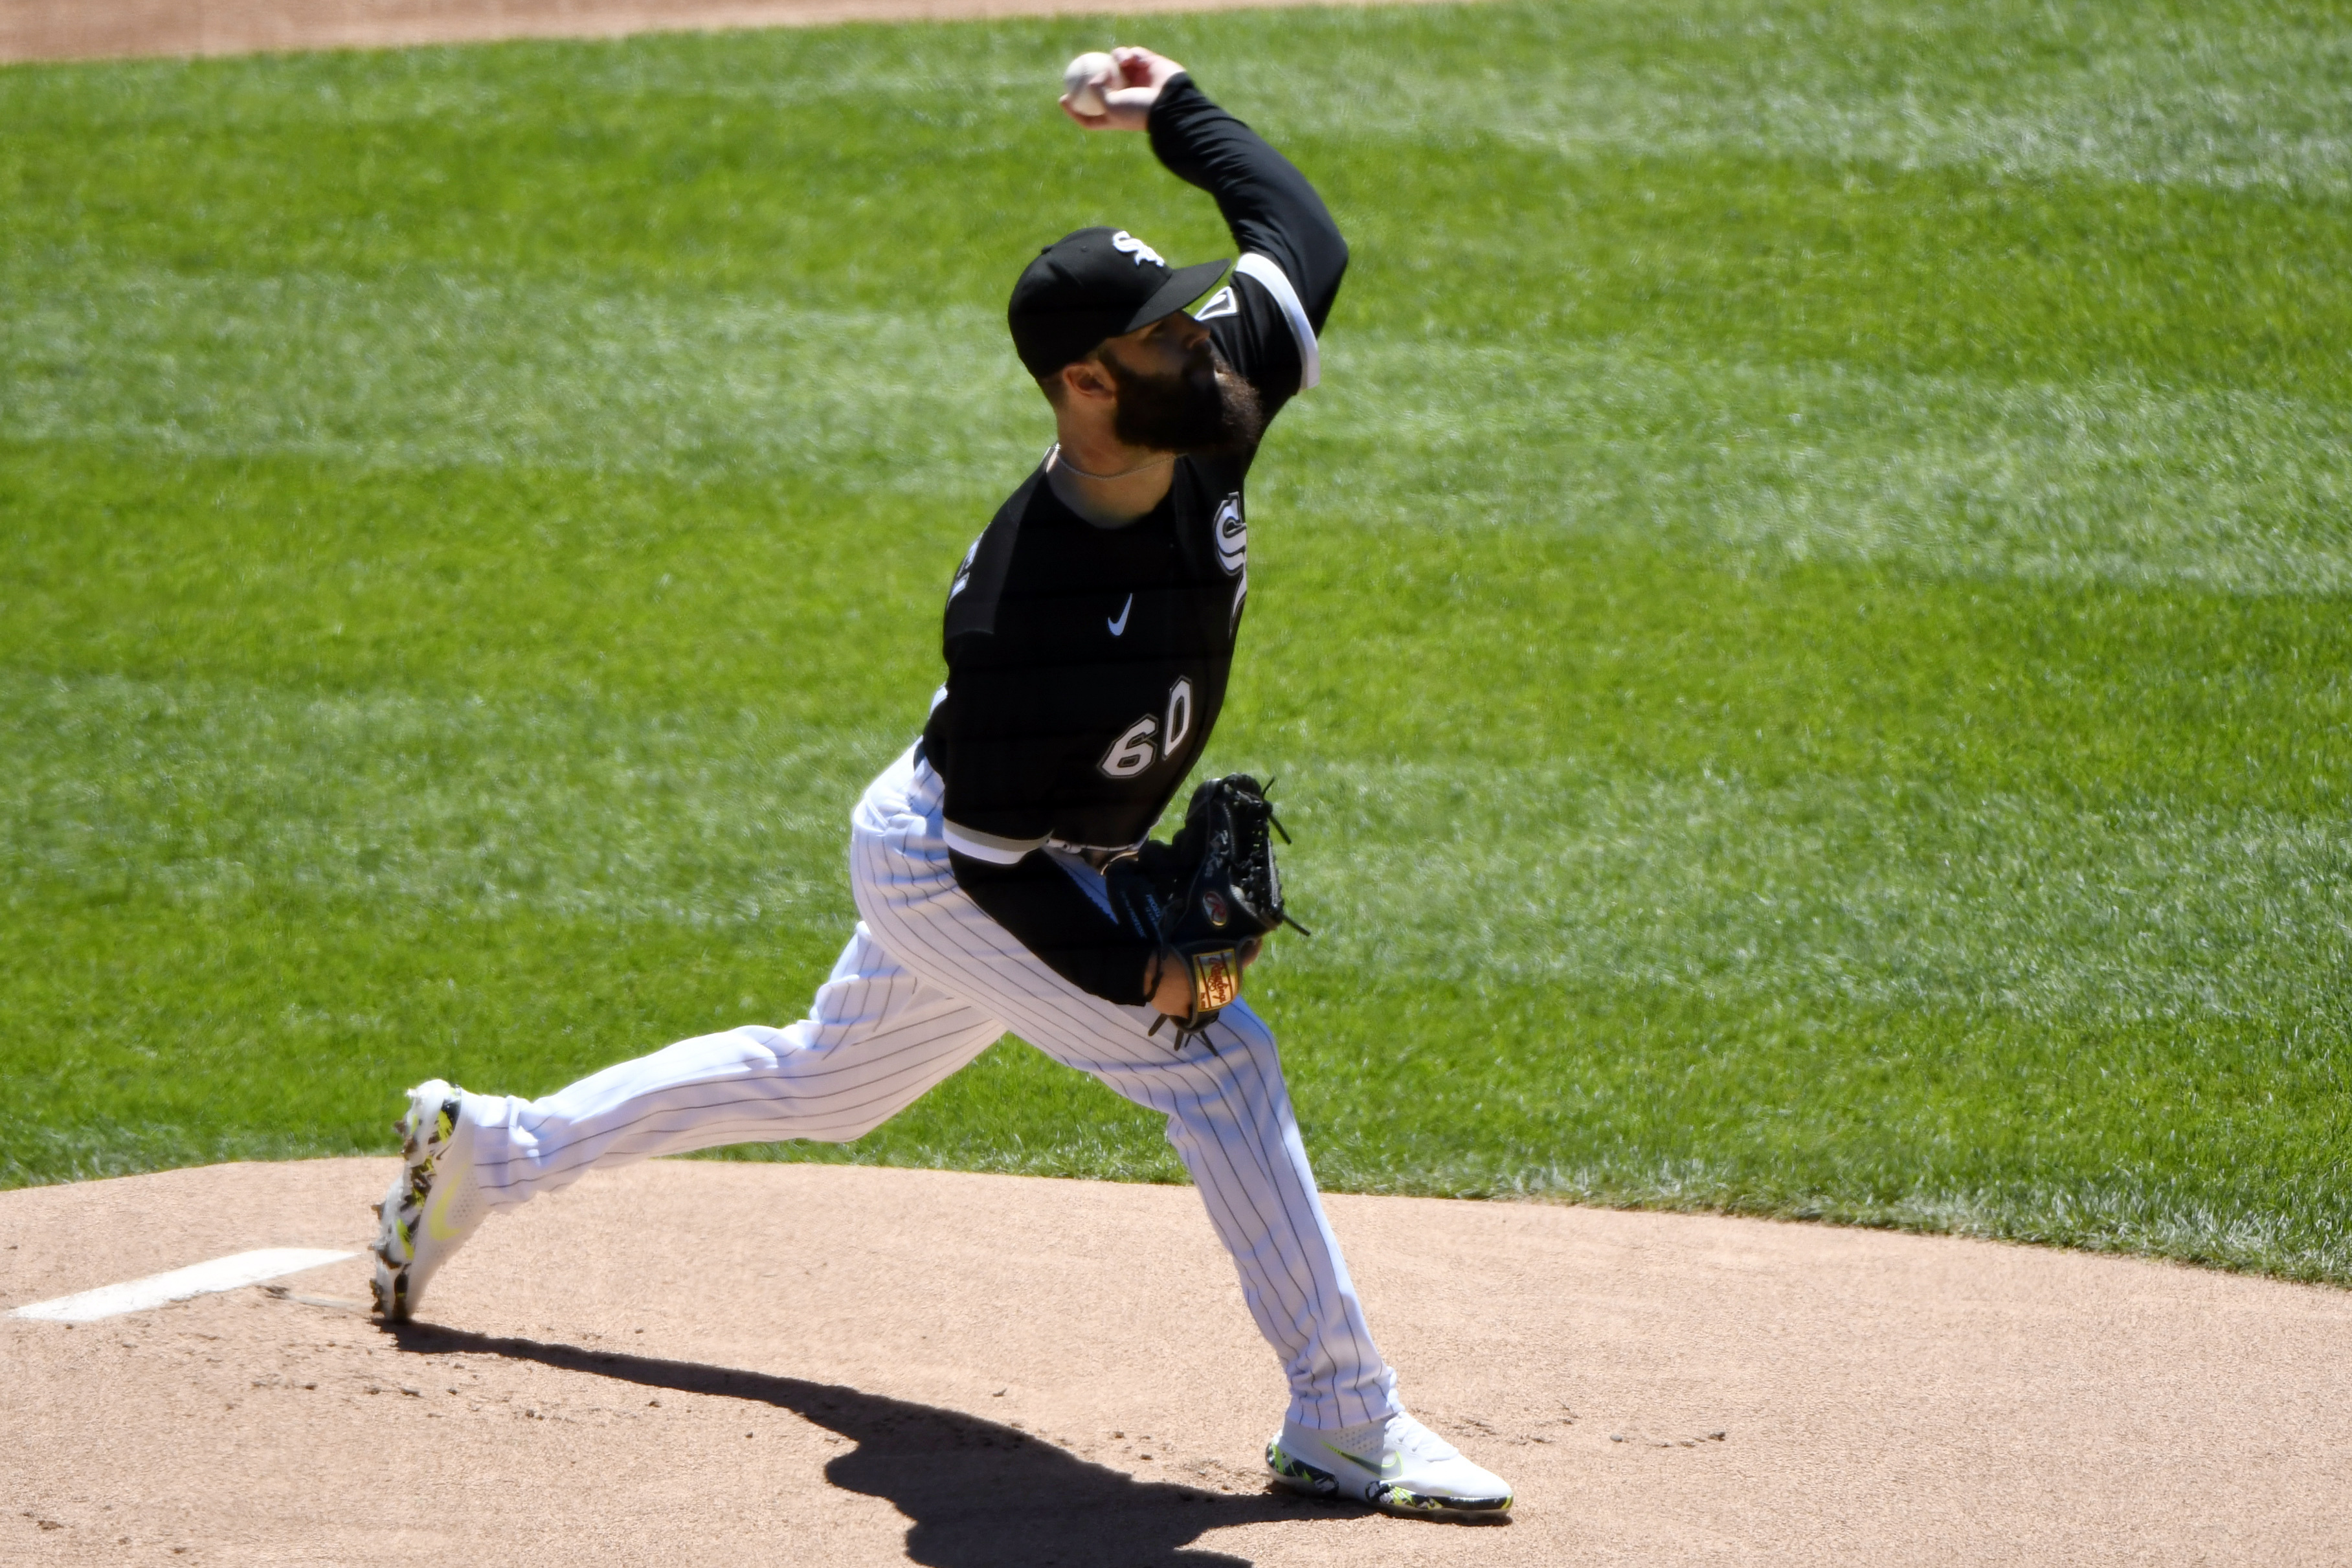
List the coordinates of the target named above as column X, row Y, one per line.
column 1054, row 918
column 1267, row 203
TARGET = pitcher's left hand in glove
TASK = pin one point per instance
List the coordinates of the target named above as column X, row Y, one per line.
column 1209, row 898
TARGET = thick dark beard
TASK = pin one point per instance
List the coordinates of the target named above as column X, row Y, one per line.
column 1204, row 410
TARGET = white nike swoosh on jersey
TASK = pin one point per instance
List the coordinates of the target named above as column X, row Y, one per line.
column 1119, row 626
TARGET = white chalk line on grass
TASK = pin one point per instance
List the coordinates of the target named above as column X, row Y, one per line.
column 180, row 1284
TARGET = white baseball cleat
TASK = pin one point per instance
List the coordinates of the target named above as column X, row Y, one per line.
column 1395, row 1463
column 434, row 1204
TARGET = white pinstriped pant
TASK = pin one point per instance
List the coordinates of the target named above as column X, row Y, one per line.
column 927, row 983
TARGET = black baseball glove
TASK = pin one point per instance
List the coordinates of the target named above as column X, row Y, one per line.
column 1207, row 894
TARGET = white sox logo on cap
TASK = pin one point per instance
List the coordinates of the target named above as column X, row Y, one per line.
column 1127, row 243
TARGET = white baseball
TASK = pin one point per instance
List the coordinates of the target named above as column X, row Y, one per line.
column 1085, row 79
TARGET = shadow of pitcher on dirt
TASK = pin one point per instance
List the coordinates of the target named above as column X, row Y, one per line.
column 980, row 1495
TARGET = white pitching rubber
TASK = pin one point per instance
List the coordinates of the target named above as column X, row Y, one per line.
column 180, row 1284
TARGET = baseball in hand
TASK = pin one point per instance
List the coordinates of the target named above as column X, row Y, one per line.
column 1085, row 79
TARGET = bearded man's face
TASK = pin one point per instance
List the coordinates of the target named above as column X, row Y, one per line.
column 1202, row 408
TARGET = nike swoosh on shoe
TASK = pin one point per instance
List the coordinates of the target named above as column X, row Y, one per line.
column 436, row 1217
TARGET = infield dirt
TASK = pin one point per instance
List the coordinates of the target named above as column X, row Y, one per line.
column 80, row 29
column 691, row 1363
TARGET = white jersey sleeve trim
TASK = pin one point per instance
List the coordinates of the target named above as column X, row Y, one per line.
column 1277, row 282
column 988, row 847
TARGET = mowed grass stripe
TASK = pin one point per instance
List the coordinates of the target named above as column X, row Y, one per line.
column 1884, row 893
column 2109, row 476
column 1804, row 636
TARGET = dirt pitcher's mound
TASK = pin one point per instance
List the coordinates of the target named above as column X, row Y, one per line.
column 689, row 1362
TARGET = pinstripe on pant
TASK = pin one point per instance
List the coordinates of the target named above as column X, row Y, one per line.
column 928, row 981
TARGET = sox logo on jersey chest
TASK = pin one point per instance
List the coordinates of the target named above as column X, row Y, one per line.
column 1231, row 529
column 1233, row 535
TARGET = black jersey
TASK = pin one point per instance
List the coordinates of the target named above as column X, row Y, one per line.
column 1087, row 666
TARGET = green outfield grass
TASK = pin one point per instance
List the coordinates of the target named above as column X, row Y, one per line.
column 1805, row 638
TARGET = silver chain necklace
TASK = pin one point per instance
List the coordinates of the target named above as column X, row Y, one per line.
column 1056, row 458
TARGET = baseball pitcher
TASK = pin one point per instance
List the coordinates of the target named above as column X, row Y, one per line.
column 1002, row 866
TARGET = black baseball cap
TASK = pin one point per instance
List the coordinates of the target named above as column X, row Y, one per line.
column 1095, row 284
